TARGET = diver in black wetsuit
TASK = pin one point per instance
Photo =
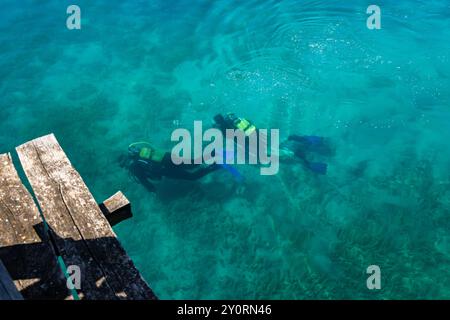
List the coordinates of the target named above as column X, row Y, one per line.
column 295, row 148
column 147, row 163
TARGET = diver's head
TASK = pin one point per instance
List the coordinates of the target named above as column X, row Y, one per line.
column 141, row 151
column 225, row 122
column 135, row 152
column 229, row 118
column 219, row 121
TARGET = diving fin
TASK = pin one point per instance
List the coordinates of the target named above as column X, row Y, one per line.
column 313, row 140
column 309, row 140
column 317, row 167
column 236, row 174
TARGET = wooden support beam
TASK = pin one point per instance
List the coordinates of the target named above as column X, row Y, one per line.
column 24, row 248
column 116, row 208
column 83, row 235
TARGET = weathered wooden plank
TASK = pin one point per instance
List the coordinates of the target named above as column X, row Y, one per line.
column 8, row 290
column 116, row 208
column 68, row 240
column 29, row 258
column 84, row 236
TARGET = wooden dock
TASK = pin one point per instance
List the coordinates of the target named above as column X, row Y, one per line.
column 61, row 226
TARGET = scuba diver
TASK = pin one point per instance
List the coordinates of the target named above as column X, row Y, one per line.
column 147, row 163
column 295, row 148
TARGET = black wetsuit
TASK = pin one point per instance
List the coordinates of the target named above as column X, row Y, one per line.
column 298, row 145
column 145, row 170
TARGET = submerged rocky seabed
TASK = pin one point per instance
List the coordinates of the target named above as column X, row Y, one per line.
column 138, row 70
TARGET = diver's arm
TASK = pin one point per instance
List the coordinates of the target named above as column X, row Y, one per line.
column 138, row 173
column 146, row 183
column 287, row 152
column 287, row 156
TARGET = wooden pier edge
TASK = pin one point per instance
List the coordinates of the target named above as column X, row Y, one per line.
column 116, row 208
column 26, row 253
column 78, row 231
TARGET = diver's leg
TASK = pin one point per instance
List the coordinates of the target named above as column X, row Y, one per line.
column 314, row 144
column 317, row 167
column 309, row 140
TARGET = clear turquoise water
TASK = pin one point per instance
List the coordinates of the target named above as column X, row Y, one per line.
column 139, row 69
